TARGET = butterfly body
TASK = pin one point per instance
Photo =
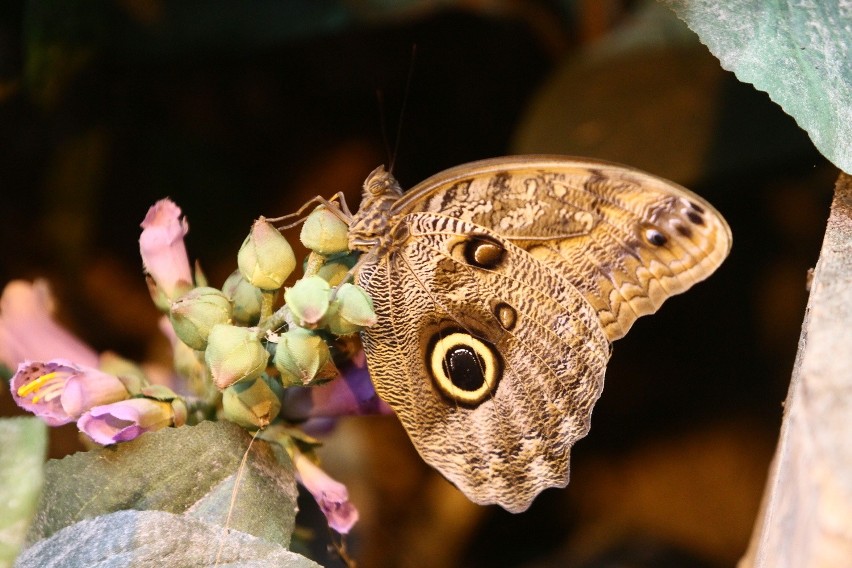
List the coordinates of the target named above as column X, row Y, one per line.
column 499, row 286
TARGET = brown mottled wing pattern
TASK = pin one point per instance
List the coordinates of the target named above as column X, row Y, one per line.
column 604, row 220
column 515, row 444
column 545, row 260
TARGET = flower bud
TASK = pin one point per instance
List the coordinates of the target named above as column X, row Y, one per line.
column 308, row 300
column 300, row 356
column 325, row 233
column 234, row 354
column 351, row 311
column 334, row 272
column 163, row 250
column 252, row 404
column 245, row 298
column 195, row 313
column 266, row 258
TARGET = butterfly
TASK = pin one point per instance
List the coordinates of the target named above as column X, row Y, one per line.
column 499, row 287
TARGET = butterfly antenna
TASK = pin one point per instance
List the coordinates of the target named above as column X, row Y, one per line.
column 405, row 95
column 383, row 123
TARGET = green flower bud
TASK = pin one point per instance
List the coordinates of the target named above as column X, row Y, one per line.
column 300, row 356
column 245, row 298
column 234, row 354
column 189, row 363
column 308, row 300
column 351, row 311
column 252, row 404
column 334, row 272
column 324, row 233
column 266, row 258
column 195, row 313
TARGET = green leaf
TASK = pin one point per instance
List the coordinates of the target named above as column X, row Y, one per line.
column 800, row 53
column 23, row 447
column 189, row 470
column 155, row 538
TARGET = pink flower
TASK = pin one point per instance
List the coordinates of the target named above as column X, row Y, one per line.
column 163, row 250
column 331, row 496
column 351, row 393
column 28, row 330
column 125, row 420
column 59, row 391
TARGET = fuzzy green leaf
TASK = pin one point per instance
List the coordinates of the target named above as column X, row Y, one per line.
column 155, row 538
column 23, row 446
column 800, row 53
column 189, row 470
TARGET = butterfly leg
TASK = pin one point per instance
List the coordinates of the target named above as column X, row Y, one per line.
column 337, row 205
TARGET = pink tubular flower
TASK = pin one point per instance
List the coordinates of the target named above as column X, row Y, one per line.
column 59, row 391
column 331, row 496
column 28, row 330
column 125, row 420
column 163, row 250
column 352, row 393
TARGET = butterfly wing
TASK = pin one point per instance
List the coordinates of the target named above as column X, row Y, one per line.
column 498, row 287
column 490, row 359
column 625, row 239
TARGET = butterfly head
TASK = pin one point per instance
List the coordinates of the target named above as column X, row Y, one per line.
column 381, row 183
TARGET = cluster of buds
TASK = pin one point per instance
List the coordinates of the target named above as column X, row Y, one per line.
column 239, row 352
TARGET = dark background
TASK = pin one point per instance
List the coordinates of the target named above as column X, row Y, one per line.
column 240, row 109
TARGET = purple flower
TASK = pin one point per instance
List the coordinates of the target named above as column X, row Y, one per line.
column 163, row 250
column 351, row 393
column 59, row 391
column 331, row 496
column 125, row 420
column 28, row 330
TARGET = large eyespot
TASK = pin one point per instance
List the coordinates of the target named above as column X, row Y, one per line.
column 483, row 251
column 465, row 369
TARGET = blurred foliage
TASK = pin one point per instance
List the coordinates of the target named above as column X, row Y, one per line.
column 23, row 445
column 798, row 52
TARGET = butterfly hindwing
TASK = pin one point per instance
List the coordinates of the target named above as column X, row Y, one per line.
column 519, row 321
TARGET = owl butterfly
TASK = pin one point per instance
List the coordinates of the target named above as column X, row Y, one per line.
column 499, row 286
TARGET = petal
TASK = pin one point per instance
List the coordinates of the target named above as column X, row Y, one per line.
column 37, row 387
column 89, row 388
column 29, row 332
column 331, row 495
column 162, row 247
column 125, row 420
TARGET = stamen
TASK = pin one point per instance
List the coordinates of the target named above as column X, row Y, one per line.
column 25, row 390
column 47, row 394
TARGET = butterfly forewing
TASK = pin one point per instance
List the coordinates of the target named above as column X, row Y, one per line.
column 628, row 239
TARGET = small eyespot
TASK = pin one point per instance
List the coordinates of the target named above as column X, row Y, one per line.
column 655, row 237
column 483, row 252
column 683, row 230
column 695, row 217
column 697, row 207
column 505, row 314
